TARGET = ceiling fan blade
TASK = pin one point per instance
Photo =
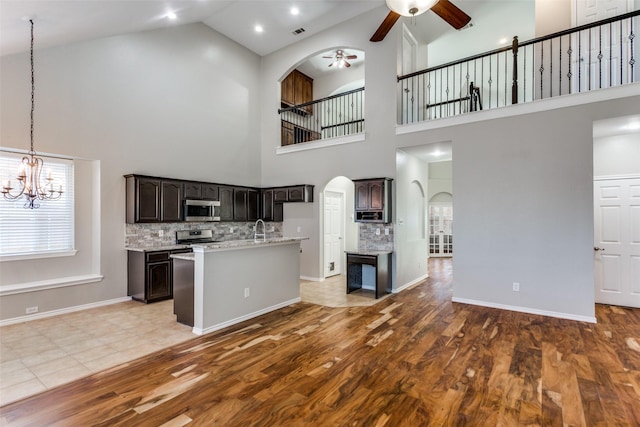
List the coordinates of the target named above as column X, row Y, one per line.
column 352, row 57
column 346, row 64
column 330, row 57
column 385, row 27
column 331, row 65
column 453, row 15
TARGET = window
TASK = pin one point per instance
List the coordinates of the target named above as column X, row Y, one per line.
column 45, row 231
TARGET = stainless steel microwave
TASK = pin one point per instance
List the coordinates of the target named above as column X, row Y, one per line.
column 201, row 210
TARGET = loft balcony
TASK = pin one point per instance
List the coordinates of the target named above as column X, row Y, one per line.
column 334, row 116
column 598, row 55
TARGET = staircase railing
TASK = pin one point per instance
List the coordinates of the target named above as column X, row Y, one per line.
column 333, row 116
column 593, row 56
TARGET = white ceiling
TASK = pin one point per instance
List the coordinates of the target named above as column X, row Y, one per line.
column 59, row 22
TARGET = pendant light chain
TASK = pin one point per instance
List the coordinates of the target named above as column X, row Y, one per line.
column 33, row 88
column 31, row 182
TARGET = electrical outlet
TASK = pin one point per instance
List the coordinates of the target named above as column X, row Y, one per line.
column 246, row 292
column 31, row 310
column 299, row 229
column 386, row 231
column 377, row 231
column 516, row 287
column 231, row 230
column 160, row 233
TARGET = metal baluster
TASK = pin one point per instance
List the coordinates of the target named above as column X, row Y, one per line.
column 541, row 68
column 610, row 56
column 490, row 81
column 621, row 54
column 599, row 57
column 589, row 64
column 560, row 67
column 632, row 61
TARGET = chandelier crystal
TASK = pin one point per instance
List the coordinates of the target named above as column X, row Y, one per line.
column 31, row 182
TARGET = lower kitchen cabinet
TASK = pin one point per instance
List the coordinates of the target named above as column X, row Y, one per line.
column 150, row 275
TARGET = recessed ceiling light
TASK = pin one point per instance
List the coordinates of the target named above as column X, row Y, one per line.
column 172, row 15
column 259, row 28
column 503, row 40
column 295, row 10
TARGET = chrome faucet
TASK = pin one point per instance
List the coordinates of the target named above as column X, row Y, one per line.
column 255, row 231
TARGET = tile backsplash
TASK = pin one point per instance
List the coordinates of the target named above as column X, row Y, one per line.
column 372, row 237
column 164, row 234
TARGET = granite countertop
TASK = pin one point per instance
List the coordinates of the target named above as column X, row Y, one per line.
column 189, row 256
column 156, row 248
column 238, row 244
column 368, row 252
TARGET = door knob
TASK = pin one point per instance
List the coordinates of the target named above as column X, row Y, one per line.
column 595, row 248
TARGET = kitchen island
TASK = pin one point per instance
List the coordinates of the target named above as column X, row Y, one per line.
column 240, row 279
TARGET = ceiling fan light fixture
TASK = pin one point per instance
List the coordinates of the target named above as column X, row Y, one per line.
column 410, row 7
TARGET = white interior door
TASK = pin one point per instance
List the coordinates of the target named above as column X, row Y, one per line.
column 333, row 233
column 601, row 65
column 440, row 230
column 617, row 241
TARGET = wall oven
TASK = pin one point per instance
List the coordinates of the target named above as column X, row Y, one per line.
column 201, row 210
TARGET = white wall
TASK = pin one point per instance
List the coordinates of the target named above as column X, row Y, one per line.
column 617, row 155
column 411, row 232
column 344, row 185
column 181, row 102
column 440, row 178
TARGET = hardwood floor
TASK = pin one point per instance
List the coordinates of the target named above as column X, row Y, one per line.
column 412, row 359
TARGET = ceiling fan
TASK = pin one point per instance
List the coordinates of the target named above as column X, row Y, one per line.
column 446, row 10
column 340, row 59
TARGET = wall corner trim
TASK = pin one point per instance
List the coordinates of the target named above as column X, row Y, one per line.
column 568, row 316
column 42, row 285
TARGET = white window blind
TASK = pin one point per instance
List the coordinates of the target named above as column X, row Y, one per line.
column 45, row 230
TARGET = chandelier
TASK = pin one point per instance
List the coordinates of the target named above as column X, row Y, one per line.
column 31, row 184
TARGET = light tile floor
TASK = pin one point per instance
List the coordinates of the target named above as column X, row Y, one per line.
column 41, row 354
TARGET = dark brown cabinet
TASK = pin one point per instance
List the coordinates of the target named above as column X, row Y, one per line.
column 246, row 203
column 147, row 205
column 210, row 192
column 382, row 264
column 274, row 198
column 226, row 203
column 171, row 205
column 373, row 200
column 200, row 190
column 288, row 134
column 296, row 89
column 150, row 275
column 153, row 200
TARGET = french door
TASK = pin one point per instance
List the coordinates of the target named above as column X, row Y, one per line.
column 440, row 230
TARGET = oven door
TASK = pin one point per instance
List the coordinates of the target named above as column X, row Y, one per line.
column 201, row 210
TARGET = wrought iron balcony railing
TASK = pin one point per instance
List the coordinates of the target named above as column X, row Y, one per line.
column 336, row 115
column 597, row 55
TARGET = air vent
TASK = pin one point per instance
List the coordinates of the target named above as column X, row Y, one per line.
column 298, row 31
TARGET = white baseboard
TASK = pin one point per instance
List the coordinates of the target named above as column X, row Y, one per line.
column 312, row 279
column 527, row 310
column 217, row 327
column 52, row 313
column 411, row 283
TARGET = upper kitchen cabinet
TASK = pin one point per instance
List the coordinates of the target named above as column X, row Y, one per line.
column 226, row 202
column 273, row 199
column 153, row 199
column 296, row 89
column 373, row 200
column 200, row 190
column 171, row 201
column 246, row 204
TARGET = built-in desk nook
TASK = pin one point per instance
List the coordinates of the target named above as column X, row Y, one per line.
column 379, row 261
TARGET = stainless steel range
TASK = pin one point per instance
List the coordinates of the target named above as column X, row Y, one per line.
column 189, row 237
